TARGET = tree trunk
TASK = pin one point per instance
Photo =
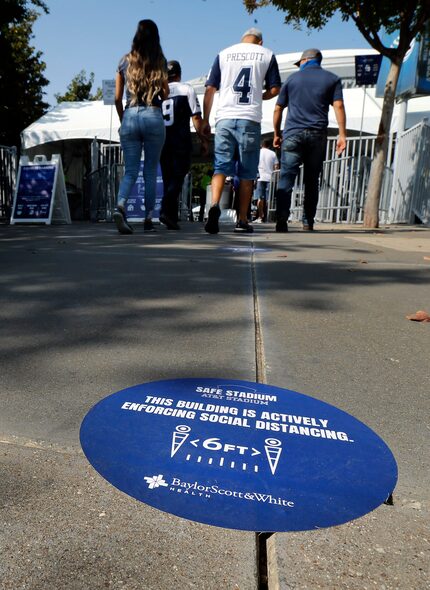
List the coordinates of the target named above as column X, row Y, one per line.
column 371, row 208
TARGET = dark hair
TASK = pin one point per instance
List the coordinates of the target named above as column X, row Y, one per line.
column 267, row 143
column 146, row 63
column 146, row 41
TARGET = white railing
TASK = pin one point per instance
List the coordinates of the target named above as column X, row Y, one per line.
column 343, row 185
column 411, row 185
column 344, row 181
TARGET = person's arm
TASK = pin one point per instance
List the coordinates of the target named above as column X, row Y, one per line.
column 212, row 85
column 272, row 80
column 208, row 100
column 198, row 126
column 277, row 120
column 339, row 111
column 119, row 91
column 271, row 92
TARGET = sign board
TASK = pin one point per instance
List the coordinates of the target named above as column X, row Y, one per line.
column 367, row 69
column 238, row 455
column 40, row 194
column 414, row 78
column 108, row 91
column 136, row 201
column 423, row 70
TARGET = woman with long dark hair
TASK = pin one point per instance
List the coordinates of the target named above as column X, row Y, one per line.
column 143, row 74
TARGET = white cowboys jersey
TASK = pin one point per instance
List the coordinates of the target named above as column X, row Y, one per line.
column 241, row 73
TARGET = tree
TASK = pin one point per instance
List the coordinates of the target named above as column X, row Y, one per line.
column 21, row 69
column 372, row 18
column 79, row 89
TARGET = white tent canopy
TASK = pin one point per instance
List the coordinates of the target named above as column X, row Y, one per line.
column 73, row 120
column 87, row 120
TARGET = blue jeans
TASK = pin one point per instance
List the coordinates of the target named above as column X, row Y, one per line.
column 307, row 147
column 262, row 190
column 141, row 128
column 237, row 139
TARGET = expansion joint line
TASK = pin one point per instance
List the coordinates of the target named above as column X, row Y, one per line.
column 260, row 362
column 260, row 373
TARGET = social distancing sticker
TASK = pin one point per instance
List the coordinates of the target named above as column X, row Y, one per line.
column 238, row 454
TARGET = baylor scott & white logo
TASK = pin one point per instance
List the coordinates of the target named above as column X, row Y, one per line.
column 197, row 489
column 155, row 481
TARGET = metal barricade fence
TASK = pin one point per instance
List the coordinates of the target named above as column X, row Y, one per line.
column 110, row 154
column 411, row 184
column 97, row 194
column 8, row 171
column 421, row 189
column 343, row 185
column 185, row 199
column 102, row 186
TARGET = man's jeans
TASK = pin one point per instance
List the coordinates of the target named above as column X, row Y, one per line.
column 307, row 147
column 237, row 140
column 141, row 128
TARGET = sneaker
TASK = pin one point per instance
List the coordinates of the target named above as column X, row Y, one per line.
column 148, row 225
column 281, row 226
column 258, row 220
column 121, row 221
column 168, row 222
column 212, row 226
column 243, row 227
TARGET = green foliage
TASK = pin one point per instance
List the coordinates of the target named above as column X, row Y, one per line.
column 14, row 12
column 22, row 77
column 198, row 171
column 79, row 89
column 370, row 16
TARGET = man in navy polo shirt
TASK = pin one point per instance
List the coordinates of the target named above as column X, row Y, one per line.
column 308, row 95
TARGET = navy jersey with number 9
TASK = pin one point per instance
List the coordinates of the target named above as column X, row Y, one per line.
column 177, row 110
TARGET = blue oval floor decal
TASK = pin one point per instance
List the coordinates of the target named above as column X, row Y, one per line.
column 238, row 455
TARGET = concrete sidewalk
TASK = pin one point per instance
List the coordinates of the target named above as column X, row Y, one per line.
column 333, row 312
column 86, row 312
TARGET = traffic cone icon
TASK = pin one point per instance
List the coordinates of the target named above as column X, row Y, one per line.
column 180, row 435
column 273, row 452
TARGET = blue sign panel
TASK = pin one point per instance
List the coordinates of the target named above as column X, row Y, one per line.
column 423, row 83
column 414, row 78
column 34, row 193
column 238, row 455
column 367, row 69
column 136, row 200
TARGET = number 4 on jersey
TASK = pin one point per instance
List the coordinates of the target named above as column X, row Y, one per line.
column 242, row 86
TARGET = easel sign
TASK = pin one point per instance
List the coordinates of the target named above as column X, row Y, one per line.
column 40, row 196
